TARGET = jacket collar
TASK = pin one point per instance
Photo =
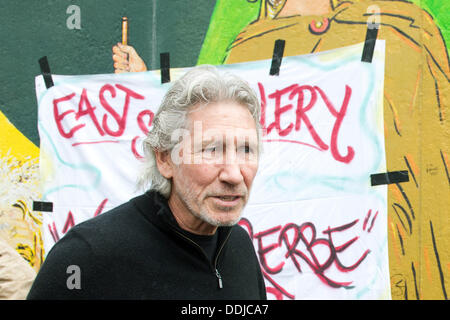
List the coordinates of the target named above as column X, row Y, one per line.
column 154, row 207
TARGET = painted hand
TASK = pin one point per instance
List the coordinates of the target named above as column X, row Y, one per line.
column 126, row 59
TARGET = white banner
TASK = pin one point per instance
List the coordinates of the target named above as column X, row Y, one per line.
column 318, row 226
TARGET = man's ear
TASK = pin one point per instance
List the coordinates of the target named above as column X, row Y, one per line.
column 164, row 163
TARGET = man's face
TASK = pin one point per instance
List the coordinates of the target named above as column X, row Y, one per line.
column 219, row 160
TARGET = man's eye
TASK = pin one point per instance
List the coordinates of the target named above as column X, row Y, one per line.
column 245, row 149
column 210, row 149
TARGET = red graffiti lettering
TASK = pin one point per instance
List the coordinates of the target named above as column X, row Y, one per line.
column 145, row 128
column 141, row 123
column 100, row 208
column 113, row 120
column 120, row 120
column 53, row 232
column 300, row 244
column 85, row 108
column 263, row 250
column 70, row 222
column 59, row 117
column 302, row 119
column 89, row 110
column 279, row 111
column 134, row 149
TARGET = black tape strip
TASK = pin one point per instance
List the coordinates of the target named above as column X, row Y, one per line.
column 164, row 60
column 278, row 51
column 42, row 206
column 389, row 177
column 45, row 70
column 369, row 44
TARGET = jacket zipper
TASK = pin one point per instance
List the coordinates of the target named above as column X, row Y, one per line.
column 216, row 272
column 219, row 277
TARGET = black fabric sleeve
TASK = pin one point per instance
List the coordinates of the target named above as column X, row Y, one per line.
column 66, row 272
column 249, row 251
column 262, row 285
column 260, row 277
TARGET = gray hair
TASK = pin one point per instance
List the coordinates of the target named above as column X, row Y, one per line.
column 201, row 85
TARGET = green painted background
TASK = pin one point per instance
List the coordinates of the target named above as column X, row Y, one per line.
column 31, row 29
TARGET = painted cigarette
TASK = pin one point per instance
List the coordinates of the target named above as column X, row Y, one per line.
column 124, row 30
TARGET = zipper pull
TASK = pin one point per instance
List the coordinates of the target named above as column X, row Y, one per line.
column 219, row 277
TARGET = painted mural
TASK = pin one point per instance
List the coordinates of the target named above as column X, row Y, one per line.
column 20, row 226
column 417, row 131
column 416, row 102
column 319, row 228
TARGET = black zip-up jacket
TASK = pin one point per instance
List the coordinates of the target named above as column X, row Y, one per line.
column 138, row 251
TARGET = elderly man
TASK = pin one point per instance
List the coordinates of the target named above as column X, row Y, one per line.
column 179, row 240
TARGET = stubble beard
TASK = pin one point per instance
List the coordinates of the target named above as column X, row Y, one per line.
column 188, row 198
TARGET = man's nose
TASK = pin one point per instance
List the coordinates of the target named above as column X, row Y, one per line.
column 231, row 173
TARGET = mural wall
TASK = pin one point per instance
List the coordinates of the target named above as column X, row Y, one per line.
column 416, row 101
column 416, row 97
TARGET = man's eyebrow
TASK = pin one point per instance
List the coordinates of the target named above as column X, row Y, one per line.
column 247, row 139
column 211, row 140
column 239, row 140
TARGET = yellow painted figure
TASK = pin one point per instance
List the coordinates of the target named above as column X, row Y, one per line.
column 16, row 275
column 416, row 118
column 20, row 227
